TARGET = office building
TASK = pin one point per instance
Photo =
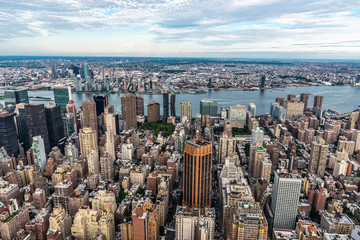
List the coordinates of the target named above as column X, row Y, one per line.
column 172, row 105
column 318, row 101
column 36, row 123
column 208, row 107
column 88, row 141
column 101, row 101
column 252, row 109
column 16, row 96
column 318, row 158
column 153, row 111
column 109, row 144
column 262, row 82
column 107, row 167
column 128, row 110
column 197, row 174
column 257, row 136
column 68, row 124
column 304, row 97
column 227, row 146
column 71, row 108
column 8, row 134
column 55, row 125
column 39, row 154
column 185, row 111
column 62, row 95
column 60, row 220
column 89, row 119
column 88, row 222
column 285, row 200
column 278, row 112
column 165, row 107
column 237, row 114
column 140, row 106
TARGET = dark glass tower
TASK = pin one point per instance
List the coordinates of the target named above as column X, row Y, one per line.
column 101, row 102
column 165, row 107
column 55, row 125
column 172, row 105
column 262, row 84
column 8, row 135
column 61, row 96
column 16, row 96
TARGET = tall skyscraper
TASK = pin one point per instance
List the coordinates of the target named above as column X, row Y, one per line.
column 208, row 107
column 101, row 102
column 68, row 125
column 38, row 148
column 55, row 125
column 89, row 119
column 110, row 146
column 252, row 109
column 318, row 157
column 153, row 111
column 140, row 106
column 36, row 123
column 8, row 135
column 16, row 96
column 285, row 200
column 86, row 70
column 227, row 146
column 107, row 167
column 93, row 162
column 197, row 174
column 263, row 82
column 62, row 95
column 318, row 101
column 185, row 110
column 128, row 110
column 172, row 105
column 165, row 106
column 304, row 97
column 257, row 135
column 88, row 141
column 71, row 108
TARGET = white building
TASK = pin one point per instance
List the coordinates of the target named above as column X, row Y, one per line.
column 38, row 148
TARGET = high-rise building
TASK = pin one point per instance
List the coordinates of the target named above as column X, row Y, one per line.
column 165, row 106
column 38, row 148
column 62, row 95
column 285, row 200
column 318, row 101
column 209, row 107
column 263, row 82
column 93, row 162
column 71, row 108
column 36, row 123
column 55, row 125
column 89, row 119
column 252, row 109
column 68, row 123
column 145, row 218
column 227, row 146
column 101, row 101
column 237, row 114
column 8, row 135
column 60, row 220
column 153, row 111
column 16, row 96
column 197, row 174
column 88, row 222
column 86, row 70
column 172, row 105
column 185, row 110
column 110, row 145
column 257, row 136
column 23, row 132
column 10, row 224
column 356, row 138
column 78, row 85
column 104, row 198
column 128, row 110
column 318, row 158
column 293, row 108
column 304, row 97
column 140, row 106
column 107, row 167
column 257, row 153
column 278, row 112
column 88, row 141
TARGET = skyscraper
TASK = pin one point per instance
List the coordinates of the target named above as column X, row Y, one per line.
column 8, row 135
column 68, row 125
column 257, row 135
column 38, row 148
column 55, row 125
column 318, row 157
column 107, row 167
column 285, row 200
column 89, row 119
column 71, row 108
column 109, row 145
column 252, row 109
column 185, row 110
column 128, row 110
column 262, row 83
column 86, row 70
column 16, row 96
column 101, row 102
column 304, row 97
column 36, row 123
column 172, row 105
column 318, row 101
column 209, row 107
column 88, row 141
column 62, row 95
column 197, row 174
column 165, row 106
column 139, row 106
column 227, row 146
column 153, row 110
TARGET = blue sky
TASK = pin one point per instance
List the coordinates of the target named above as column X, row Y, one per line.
column 181, row 28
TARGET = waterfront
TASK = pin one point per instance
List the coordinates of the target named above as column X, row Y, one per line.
column 343, row 98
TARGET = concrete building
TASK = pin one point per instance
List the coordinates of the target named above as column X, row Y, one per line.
column 140, row 106
column 208, row 107
column 128, row 110
column 139, row 174
column 185, row 111
column 340, row 168
column 8, row 134
column 318, row 158
column 227, row 146
column 109, row 144
column 145, row 219
column 237, row 114
column 285, row 200
column 89, row 117
column 278, row 112
column 60, row 220
column 153, row 112
column 93, row 162
column 104, row 198
column 10, row 224
column 252, row 109
column 107, row 167
column 336, row 223
column 39, row 153
column 257, row 136
column 88, row 141
column 318, row 101
column 293, row 108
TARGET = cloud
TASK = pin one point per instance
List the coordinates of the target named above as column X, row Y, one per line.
column 193, row 25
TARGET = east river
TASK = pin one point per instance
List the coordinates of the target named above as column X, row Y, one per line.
column 343, row 98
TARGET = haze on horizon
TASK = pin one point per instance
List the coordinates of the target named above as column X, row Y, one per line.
column 182, row 28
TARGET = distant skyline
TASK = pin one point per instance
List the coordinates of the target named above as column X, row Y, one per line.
column 312, row 29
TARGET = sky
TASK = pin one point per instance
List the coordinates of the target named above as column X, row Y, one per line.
column 182, row 28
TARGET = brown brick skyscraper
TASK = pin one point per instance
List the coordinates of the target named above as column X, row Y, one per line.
column 197, row 174
column 318, row 101
column 89, row 115
column 128, row 110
